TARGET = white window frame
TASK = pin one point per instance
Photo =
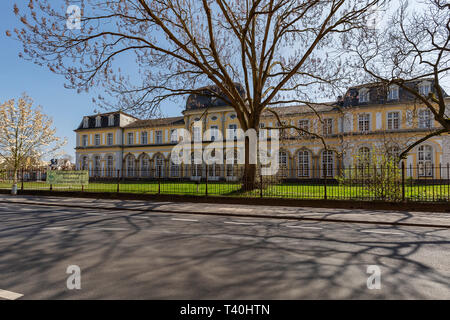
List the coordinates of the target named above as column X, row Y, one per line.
column 393, row 120
column 109, row 139
column 98, row 121
column 327, row 163
column 393, row 93
column 425, row 161
column 364, row 122
column 328, row 126
column 84, row 140
column 158, row 137
column 303, row 164
column 303, row 124
column 97, row 139
column 130, row 138
column 232, row 131
column 425, row 119
column 214, row 132
column 111, row 120
column 364, row 95
column 144, row 137
column 85, row 122
column 422, row 90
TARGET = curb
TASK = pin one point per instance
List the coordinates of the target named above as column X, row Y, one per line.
column 283, row 217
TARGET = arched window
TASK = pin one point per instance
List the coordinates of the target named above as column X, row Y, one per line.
column 159, row 166
column 196, row 168
column 97, row 166
column 425, row 161
column 393, row 153
column 214, row 168
column 130, row 166
column 303, row 163
column 283, row 163
column 327, row 163
column 145, row 166
column 231, row 163
column 363, row 161
column 109, row 165
column 84, row 163
column 174, row 169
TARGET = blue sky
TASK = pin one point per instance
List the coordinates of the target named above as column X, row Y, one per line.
column 66, row 107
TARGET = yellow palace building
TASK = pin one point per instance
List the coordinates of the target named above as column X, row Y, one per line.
column 369, row 119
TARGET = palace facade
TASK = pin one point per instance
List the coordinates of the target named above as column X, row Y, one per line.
column 369, row 119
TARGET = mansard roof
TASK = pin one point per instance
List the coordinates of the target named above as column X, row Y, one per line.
column 378, row 93
column 149, row 123
column 207, row 97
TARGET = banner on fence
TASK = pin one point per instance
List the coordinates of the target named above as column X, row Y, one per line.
column 68, row 177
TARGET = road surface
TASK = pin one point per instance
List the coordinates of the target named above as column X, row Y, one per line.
column 155, row 255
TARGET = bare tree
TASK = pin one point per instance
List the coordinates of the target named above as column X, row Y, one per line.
column 277, row 50
column 414, row 46
column 26, row 134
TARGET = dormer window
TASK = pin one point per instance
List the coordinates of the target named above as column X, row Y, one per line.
column 85, row 122
column 424, row 88
column 111, row 120
column 393, row 93
column 98, row 121
column 363, row 95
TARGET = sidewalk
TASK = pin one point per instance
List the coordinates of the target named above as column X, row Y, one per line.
column 401, row 218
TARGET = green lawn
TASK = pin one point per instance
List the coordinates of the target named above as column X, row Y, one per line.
column 284, row 190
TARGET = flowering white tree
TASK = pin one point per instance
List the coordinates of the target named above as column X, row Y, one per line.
column 25, row 135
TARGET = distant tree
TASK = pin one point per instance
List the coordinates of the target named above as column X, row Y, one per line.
column 414, row 45
column 26, row 134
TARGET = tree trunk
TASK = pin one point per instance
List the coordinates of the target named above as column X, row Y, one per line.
column 14, row 186
column 249, row 177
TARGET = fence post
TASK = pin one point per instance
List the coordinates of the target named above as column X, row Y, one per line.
column 325, row 182
column 118, row 180
column 206, row 185
column 403, row 180
column 260, row 182
column 21, row 187
column 159, row 181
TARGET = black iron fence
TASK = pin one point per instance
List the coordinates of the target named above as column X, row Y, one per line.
column 364, row 182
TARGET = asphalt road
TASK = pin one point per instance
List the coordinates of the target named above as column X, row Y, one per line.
column 151, row 255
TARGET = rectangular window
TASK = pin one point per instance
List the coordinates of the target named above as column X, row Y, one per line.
column 84, row 140
column 393, row 93
column 425, row 119
column 97, row 140
column 144, row 137
column 304, row 125
column 364, row 123
column 159, row 138
column 393, row 120
column 262, row 131
column 232, row 131
column 214, row 130
column 173, row 135
column 197, row 133
column 363, row 95
column 424, row 89
column 130, row 138
column 109, row 139
column 327, row 126
column 98, row 121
